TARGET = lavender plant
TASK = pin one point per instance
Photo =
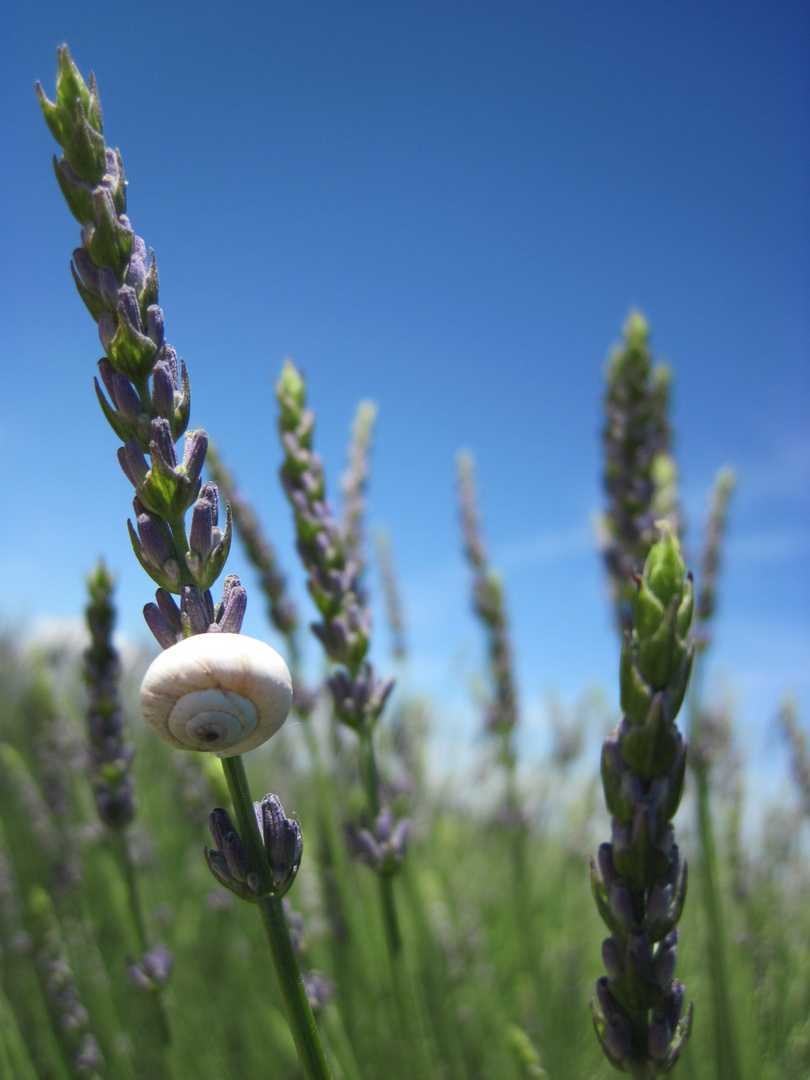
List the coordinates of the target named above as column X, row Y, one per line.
column 640, row 474
column 110, row 760
column 707, row 739
column 79, row 1045
column 344, row 630
column 110, row 756
column 260, row 552
column 354, row 483
column 148, row 407
column 501, row 712
column 640, row 886
column 393, row 602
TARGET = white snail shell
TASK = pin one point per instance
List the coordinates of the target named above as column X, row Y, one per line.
column 226, row 693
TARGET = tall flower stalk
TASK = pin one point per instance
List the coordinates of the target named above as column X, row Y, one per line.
column 501, row 711
column 640, row 475
column 110, row 759
column 393, row 601
column 328, row 552
column 354, row 483
column 640, row 885
column 262, row 555
column 147, row 404
column 702, row 761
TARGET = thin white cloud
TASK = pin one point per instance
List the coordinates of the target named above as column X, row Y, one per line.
column 546, row 547
column 772, row 546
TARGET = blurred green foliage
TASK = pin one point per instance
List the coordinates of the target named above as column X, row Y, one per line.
column 492, row 1006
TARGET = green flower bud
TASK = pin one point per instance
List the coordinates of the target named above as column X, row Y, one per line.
column 291, row 395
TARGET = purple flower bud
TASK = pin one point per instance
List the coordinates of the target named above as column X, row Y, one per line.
column 163, row 387
column 195, row 609
column 170, row 358
column 617, row 1037
column 384, row 825
column 673, row 1002
column 664, row 963
column 364, row 845
column 125, row 397
column 107, row 373
column 162, row 443
column 87, row 270
column 196, row 444
column 154, row 325
column 107, row 328
column 233, row 606
column 136, row 271
column 133, row 463
column 169, row 610
column 607, row 1002
column 108, row 287
column 128, row 310
column 155, row 537
column 203, row 519
column 621, row 903
column 612, row 958
column 157, row 963
column 659, row 1037
column 658, row 902
column 639, row 954
column 606, row 867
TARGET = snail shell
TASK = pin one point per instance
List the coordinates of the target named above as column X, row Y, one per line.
column 226, row 693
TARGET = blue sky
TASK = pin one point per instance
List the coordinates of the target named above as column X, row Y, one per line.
column 450, row 209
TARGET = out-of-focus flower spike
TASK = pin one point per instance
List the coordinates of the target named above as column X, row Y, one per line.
column 642, row 886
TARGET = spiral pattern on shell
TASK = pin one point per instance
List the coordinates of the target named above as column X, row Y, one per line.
column 221, row 693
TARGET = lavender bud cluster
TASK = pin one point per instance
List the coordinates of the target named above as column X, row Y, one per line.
column 319, row 989
column 393, row 603
column 147, row 398
column 383, row 848
column 354, row 483
column 640, row 885
column 712, row 551
column 68, row 1014
column 283, row 844
column 359, row 695
column 109, row 755
column 151, row 973
column 283, row 612
column 640, row 476
column 488, row 602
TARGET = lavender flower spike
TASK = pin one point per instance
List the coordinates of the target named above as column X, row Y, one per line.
column 283, row 613
column 393, row 603
column 712, row 551
column 333, row 583
column 641, row 883
column 640, row 475
column 147, row 397
column 355, row 481
column 501, row 713
column 110, row 756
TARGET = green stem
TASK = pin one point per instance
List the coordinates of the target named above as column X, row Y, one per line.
column 341, row 1047
column 124, row 857
column 403, row 990
column 726, row 1062
column 299, row 1014
column 14, row 1057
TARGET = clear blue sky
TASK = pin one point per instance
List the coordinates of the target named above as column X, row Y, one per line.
column 448, row 208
